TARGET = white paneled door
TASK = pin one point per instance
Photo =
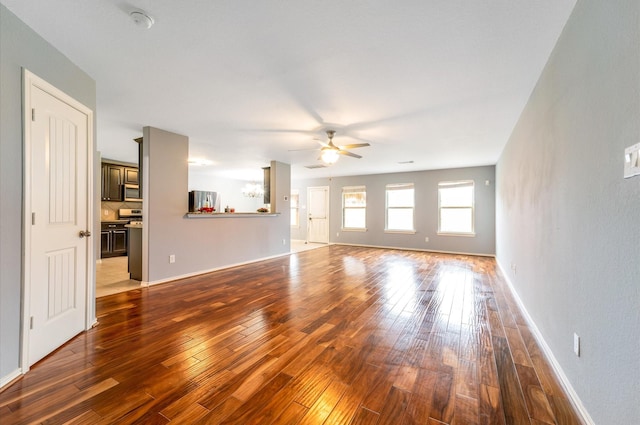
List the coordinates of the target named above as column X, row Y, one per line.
column 318, row 219
column 58, row 238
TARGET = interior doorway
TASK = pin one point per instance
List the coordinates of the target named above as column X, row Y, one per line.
column 318, row 214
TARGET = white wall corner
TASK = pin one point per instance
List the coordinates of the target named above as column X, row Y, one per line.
column 546, row 350
column 8, row 379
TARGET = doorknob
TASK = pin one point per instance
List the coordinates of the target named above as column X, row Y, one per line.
column 84, row 233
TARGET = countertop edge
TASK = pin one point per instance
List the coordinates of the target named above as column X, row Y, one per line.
column 230, row 215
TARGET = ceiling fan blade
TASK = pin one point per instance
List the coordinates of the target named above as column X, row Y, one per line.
column 355, row 145
column 320, row 142
column 347, row 153
column 303, row 149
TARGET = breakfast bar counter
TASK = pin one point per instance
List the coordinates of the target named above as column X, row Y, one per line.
column 230, row 215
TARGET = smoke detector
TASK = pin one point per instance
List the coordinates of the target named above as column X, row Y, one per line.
column 141, row 18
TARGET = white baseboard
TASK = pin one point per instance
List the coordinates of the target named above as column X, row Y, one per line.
column 226, row 266
column 414, row 249
column 6, row 380
column 546, row 350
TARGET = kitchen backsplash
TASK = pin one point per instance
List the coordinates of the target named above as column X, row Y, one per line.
column 109, row 210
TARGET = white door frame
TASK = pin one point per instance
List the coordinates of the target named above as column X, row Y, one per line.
column 31, row 80
column 327, row 207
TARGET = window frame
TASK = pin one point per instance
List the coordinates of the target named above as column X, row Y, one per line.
column 295, row 193
column 354, row 189
column 400, row 186
column 472, row 207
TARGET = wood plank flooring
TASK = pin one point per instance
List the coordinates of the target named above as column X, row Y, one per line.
column 336, row 335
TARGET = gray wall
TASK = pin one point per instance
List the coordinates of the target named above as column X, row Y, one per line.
column 566, row 217
column 426, row 210
column 21, row 47
column 200, row 244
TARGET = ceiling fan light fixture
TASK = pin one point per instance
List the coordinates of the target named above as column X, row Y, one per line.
column 329, row 156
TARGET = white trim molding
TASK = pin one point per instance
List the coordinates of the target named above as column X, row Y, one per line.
column 5, row 381
column 404, row 248
column 546, row 350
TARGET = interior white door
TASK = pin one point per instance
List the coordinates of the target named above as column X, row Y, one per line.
column 57, row 187
column 318, row 219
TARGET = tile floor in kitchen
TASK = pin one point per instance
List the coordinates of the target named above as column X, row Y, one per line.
column 112, row 276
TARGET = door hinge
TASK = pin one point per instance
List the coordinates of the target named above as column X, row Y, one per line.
column 33, row 219
column 33, row 114
column 31, row 322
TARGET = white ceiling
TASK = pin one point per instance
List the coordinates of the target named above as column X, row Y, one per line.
column 437, row 82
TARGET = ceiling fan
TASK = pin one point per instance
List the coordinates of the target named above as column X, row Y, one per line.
column 329, row 153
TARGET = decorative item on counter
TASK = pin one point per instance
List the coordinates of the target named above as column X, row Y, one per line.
column 208, row 205
column 226, row 209
column 262, row 210
column 232, row 210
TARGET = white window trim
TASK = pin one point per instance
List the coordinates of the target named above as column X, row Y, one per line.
column 399, row 186
column 353, row 189
column 473, row 208
column 406, row 232
column 468, row 235
column 296, row 192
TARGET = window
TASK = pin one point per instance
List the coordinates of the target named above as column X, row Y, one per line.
column 455, row 203
column 295, row 207
column 354, row 208
column 400, row 203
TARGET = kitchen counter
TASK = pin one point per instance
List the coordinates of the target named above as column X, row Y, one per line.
column 230, row 215
column 133, row 226
column 115, row 221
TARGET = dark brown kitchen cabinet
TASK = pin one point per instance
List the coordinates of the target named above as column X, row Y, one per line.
column 113, row 239
column 113, row 177
column 112, row 181
column 131, row 175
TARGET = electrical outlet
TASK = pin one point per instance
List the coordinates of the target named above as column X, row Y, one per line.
column 514, row 268
column 576, row 344
column 284, row 242
column 426, row 239
column 172, row 258
column 337, row 234
column 106, row 212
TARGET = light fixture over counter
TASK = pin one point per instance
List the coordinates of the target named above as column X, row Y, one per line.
column 253, row 190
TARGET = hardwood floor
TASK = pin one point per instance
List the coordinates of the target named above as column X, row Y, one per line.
column 335, row 335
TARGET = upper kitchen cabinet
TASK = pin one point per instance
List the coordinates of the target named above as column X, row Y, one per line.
column 131, row 176
column 114, row 176
column 112, row 181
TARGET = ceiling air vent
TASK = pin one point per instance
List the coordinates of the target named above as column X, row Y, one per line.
column 311, row 167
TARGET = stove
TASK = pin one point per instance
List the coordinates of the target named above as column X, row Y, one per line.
column 134, row 215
